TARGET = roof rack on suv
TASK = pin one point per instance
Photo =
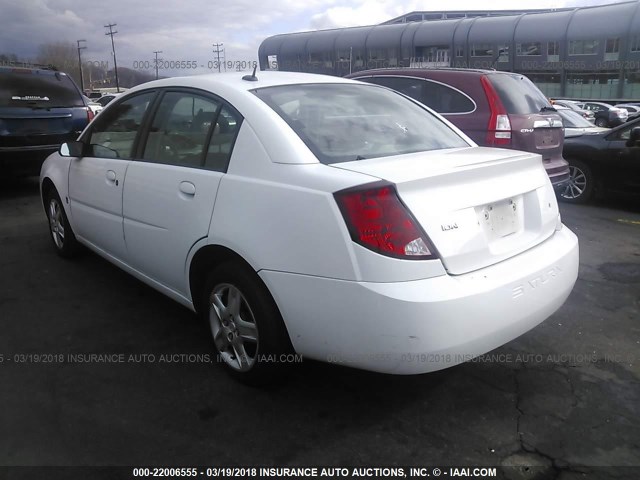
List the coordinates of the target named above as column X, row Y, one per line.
column 40, row 66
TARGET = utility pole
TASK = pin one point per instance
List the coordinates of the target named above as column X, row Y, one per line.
column 80, row 63
column 218, row 50
column 111, row 33
column 159, row 51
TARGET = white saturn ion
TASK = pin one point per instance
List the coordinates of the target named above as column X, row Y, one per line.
column 311, row 214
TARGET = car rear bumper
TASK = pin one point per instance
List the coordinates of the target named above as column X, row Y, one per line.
column 24, row 160
column 425, row 325
column 558, row 172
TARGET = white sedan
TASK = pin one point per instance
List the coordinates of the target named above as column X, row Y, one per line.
column 311, row 214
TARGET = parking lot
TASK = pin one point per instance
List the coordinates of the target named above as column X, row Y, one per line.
column 565, row 396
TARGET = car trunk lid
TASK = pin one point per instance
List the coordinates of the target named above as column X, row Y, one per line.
column 479, row 206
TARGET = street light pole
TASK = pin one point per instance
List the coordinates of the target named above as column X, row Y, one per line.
column 80, row 63
column 159, row 51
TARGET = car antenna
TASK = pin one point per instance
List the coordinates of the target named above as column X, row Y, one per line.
column 252, row 77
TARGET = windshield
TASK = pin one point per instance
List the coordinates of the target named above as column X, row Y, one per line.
column 518, row 94
column 30, row 88
column 342, row 122
column 573, row 119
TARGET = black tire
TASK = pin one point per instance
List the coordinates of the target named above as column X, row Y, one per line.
column 60, row 232
column 602, row 122
column 581, row 185
column 258, row 362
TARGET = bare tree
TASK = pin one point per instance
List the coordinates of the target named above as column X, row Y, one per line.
column 8, row 59
column 62, row 55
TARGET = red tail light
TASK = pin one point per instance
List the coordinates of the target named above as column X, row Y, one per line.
column 377, row 220
column 499, row 128
column 90, row 114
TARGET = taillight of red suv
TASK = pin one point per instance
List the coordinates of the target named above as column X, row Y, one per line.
column 499, row 127
column 379, row 221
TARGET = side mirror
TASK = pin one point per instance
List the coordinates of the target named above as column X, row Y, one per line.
column 71, row 149
column 634, row 138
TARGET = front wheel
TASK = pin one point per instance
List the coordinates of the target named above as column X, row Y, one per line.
column 247, row 329
column 580, row 187
column 62, row 236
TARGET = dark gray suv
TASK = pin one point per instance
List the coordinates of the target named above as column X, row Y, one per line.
column 495, row 109
column 40, row 108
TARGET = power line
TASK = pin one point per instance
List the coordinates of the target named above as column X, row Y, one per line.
column 218, row 50
column 111, row 33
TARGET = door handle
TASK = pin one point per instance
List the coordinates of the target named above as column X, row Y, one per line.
column 188, row 188
column 111, row 177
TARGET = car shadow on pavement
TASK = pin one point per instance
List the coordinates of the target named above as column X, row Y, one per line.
column 18, row 187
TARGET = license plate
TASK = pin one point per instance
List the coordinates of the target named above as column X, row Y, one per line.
column 501, row 218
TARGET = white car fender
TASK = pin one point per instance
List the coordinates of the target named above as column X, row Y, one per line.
column 56, row 169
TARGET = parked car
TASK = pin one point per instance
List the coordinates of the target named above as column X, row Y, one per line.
column 633, row 117
column 632, row 109
column 39, row 110
column 95, row 107
column 498, row 109
column 605, row 114
column 629, row 107
column 94, row 95
column 586, row 114
column 604, row 161
column 575, row 124
column 314, row 214
column 105, row 99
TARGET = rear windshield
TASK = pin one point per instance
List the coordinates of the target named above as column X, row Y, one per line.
column 573, row 119
column 343, row 123
column 518, row 94
column 24, row 88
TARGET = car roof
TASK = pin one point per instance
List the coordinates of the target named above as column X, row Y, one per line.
column 260, row 117
column 231, row 87
column 417, row 72
column 234, row 80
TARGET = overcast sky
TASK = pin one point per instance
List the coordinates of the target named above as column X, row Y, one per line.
column 187, row 29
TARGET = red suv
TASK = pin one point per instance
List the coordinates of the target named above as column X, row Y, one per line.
column 495, row 109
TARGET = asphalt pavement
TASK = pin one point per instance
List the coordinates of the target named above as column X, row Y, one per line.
column 99, row 369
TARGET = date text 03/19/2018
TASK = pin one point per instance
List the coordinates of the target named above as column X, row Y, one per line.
column 194, row 64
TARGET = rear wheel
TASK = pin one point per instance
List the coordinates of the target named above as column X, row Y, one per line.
column 580, row 187
column 247, row 328
column 62, row 236
column 601, row 122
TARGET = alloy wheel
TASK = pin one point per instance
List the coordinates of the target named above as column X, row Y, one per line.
column 233, row 327
column 576, row 185
column 56, row 223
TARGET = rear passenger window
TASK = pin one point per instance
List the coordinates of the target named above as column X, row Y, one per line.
column 222, row 140
column 180, row 129
column 114, row 132
column 411, row 87
column 439, row 97
column 444, row 99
